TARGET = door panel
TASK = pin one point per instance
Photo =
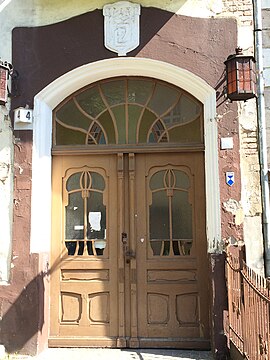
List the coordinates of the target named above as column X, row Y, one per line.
column 84, row 252
column 129, row 260
column 171, row 251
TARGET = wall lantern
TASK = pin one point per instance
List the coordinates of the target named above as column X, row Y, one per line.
column 241, row 76
column 5, row 72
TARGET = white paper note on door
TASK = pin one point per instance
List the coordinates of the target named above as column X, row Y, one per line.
column 94, row 218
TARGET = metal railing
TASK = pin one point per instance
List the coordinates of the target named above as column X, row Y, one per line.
column 249, row 309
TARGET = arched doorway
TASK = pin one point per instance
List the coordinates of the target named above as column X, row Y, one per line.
column 69, row 83
column 129, row 247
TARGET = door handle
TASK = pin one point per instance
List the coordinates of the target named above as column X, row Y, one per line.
column 124, row 238
column 130, row 254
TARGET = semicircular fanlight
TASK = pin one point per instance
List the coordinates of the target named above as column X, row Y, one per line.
column 128, row 111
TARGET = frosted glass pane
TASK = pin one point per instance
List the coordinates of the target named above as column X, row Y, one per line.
column 182, row 216
column 74, row 217
column 120, row 117
column 163, row 98
column 157, row 180
column 73, row 182
column 66, row 136
column 190, row 132
column 182, row 180
column 71, row 115
column 139, row 91
column 186, row 110
column 107, row 123
column 114, row 92
column 91, row 101
column 134, row 113
column 146, row 123
column 159, row 216
column 98, row 182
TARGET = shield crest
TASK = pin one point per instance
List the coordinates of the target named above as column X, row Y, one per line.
column 121, row 27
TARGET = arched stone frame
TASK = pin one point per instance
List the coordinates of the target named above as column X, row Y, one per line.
column 46, row 100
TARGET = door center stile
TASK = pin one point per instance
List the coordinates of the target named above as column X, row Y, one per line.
column 131, row 256
column 128, row 331
column 121, row 250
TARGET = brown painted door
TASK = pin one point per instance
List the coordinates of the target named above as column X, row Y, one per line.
column 171, row 251
column 84, row 274
column 129, row 258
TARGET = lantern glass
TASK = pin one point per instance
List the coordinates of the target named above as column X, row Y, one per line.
column 241, row 77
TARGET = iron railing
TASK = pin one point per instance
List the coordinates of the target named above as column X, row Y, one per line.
column 249, row 309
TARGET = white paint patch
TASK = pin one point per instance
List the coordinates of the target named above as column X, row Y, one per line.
column 201, row 8
column 266, row 57
column 254, row 245
column 247, row 115
column 2, row 352
column 234, row 207
column 245, row 37
column 266, row 74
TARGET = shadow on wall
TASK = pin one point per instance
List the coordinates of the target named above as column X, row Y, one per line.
column 219, row 306
column 69, row 43
column 25, row 317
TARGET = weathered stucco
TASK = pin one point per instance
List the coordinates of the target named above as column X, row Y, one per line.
column 251, row 190
column 39, row 12
column 6, row 191
column 36, row 12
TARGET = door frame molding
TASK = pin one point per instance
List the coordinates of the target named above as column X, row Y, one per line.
column 48, row 98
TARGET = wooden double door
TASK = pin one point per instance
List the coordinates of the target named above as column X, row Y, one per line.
column 129, row 254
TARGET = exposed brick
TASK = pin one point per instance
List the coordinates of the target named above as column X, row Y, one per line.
column 242, row 10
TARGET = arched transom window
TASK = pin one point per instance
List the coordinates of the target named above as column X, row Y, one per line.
column 128, row 110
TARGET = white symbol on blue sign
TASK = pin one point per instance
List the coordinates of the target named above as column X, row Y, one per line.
column 230, row 178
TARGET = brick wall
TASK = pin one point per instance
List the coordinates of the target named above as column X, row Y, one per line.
column 241, row 9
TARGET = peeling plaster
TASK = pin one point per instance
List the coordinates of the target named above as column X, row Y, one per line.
column 4, row 171
column 247, row 116
column 234, row 207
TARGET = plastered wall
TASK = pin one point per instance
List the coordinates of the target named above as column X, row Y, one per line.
column 6, row 191
column 244, row 211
